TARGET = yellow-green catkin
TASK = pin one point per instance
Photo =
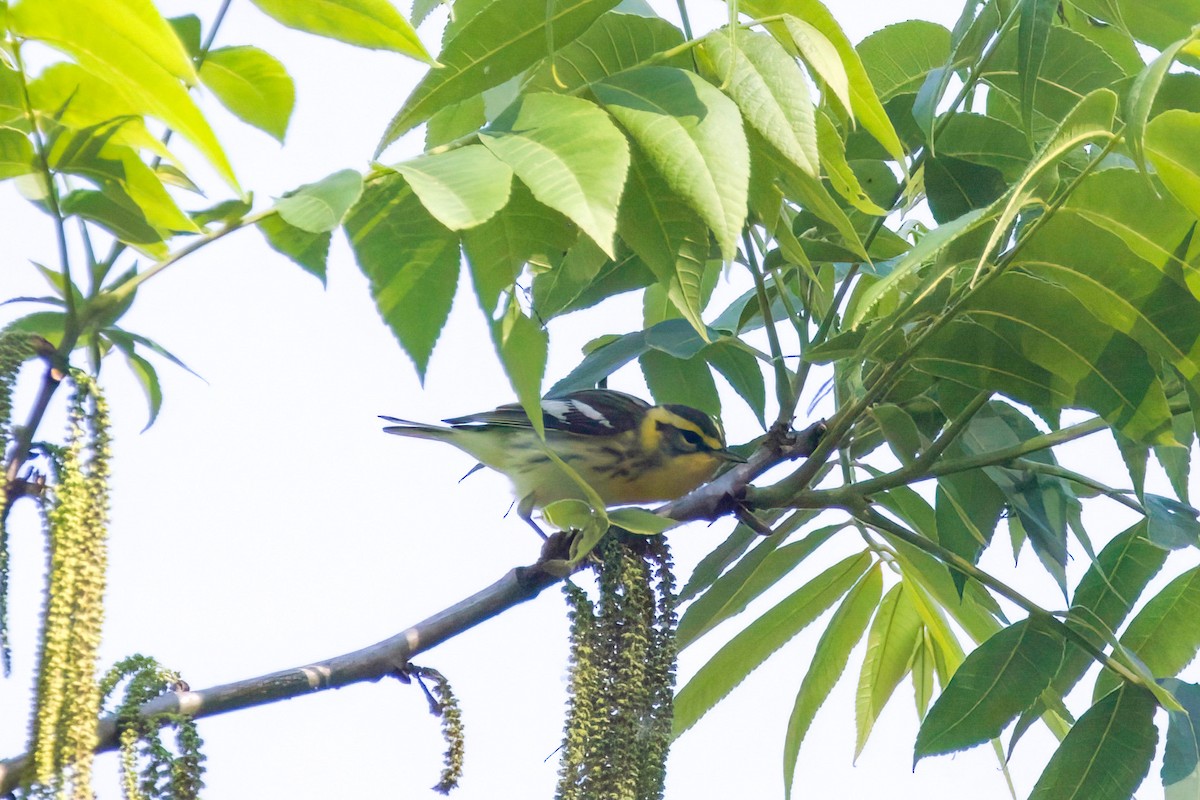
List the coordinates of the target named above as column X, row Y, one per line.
column 15, row 349
column 68, row 694
column 622, row 676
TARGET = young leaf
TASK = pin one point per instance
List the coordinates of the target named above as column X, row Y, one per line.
column 375, row 24
column 639, row 520
column 895, row 634
column 521, row 344
column 844, row 631
column 462, row 188
column 570, row 155
column 998, row 681
column 692, row 134
column 501, row 39
column 1107, row 753
column 750, row 648
column 129, row 45
column 253, row 85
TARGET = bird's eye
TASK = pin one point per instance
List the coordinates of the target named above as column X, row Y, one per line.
column 692, row 438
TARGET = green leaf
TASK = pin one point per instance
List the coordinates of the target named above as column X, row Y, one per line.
column 124, row 220
column 667, row 235
column 999, row 680
column 119, row 172
column 829, row 660
column 987, row 141
column 955, row 187
column 1105, row 596
column 771, row 92
column 570, row 155
column 320, row 207
column 1140, row 99
column 692, row 134
column 1165, row 634
column 586, row 277
column 1171, row 524
column 411, row 261
column 147, row 378
column 894, row 636
column 499, row 41
column 969, row 506
column 1181, row 760
column 864, row 103
column 1107, row 753
column 1033, row 33
column 524, row 231
column 898, row 57
column 615, row 43
column 639, row 520
column 743, row 372
column 821, row 56
column 522, row 344
column 1171, row 141
column 750, row 648
column 753, row 574
column 375, row 24
column 841, row 176
column 687, row 381
column 253, row 85
column 16, row 153
column 129, row 45
column 461, row 188
column 310, row 251
column 455, row 121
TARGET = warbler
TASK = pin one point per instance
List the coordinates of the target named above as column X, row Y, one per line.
column 627, row 450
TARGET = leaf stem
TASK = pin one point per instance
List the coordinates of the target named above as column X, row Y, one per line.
column 783, row 380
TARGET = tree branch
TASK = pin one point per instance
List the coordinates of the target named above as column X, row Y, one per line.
column 368, row 664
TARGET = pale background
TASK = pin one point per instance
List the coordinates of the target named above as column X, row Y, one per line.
column 266, row 522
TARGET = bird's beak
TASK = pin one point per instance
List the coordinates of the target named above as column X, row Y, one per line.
column 729, row 455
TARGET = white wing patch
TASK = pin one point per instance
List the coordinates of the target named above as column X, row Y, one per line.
column 559, row 409
column 591, row 413
column 566, row 410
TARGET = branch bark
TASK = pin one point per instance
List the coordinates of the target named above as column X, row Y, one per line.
column 368, row 664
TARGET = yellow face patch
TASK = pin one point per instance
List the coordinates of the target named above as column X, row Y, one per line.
column 651, row 431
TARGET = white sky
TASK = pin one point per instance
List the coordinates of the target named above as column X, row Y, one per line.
column 266, row 522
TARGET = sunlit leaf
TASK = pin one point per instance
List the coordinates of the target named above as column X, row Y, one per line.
column 570, row 155
column 253, row 85
column 461, row 188
column 367, row 23
column 321, row 206
column 895, row 633
column 692, row 135
column 844, row 631
column 898, row 57
column 490, row 47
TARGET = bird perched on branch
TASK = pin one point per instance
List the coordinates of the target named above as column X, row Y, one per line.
column 626, row 449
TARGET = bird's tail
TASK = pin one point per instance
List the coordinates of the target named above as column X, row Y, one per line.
column 419, row 430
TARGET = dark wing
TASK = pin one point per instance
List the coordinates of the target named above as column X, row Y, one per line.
column 587, row 412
